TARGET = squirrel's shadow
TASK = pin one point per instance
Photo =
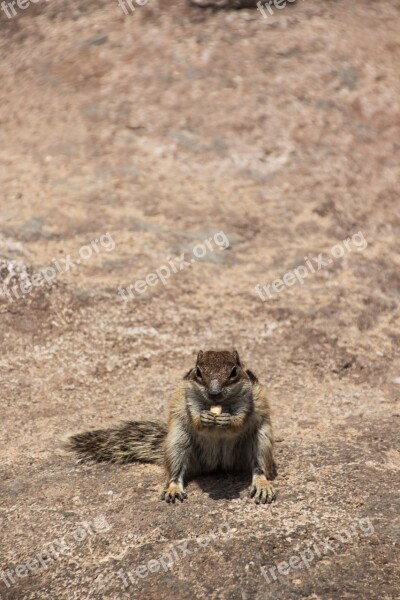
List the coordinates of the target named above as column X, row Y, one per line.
column 222, row 486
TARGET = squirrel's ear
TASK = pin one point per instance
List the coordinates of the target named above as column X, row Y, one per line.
column 188, row 374
column 199, row 356
column 237, row 359
column 251, row 376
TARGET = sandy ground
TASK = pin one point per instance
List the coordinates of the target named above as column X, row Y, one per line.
column 152, row 133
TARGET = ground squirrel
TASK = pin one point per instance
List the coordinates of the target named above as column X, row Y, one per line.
column 219, row 420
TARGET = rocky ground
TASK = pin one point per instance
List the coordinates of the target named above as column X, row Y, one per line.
column 274, row 139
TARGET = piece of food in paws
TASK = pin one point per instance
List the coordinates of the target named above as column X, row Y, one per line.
column 216, row 410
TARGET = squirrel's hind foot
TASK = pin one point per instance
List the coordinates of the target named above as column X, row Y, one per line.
column 174, row 491
column 262, row 490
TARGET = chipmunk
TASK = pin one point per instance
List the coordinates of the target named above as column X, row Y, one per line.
column 219, row 419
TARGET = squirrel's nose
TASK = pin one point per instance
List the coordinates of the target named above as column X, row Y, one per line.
column 214, row 388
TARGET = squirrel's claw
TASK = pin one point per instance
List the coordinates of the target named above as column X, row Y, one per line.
column 173, row 492
column 207, row 418
column 223, row 420
column 263, row 492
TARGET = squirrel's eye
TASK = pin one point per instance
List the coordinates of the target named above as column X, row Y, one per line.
column 198, row 373
column 233, row 373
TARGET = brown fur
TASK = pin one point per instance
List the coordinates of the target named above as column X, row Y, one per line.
column 197, row 441
column 130, row 441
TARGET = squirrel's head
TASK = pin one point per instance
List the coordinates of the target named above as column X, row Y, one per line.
column 219, row 375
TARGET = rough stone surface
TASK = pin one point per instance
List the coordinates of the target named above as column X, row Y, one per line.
column 162, row 128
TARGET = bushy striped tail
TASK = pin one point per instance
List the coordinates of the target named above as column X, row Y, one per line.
column 141, row 441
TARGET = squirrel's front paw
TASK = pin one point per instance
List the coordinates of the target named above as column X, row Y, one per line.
column 173, row 491
column 207, row 418
column 223, row 420
column 262, row 491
